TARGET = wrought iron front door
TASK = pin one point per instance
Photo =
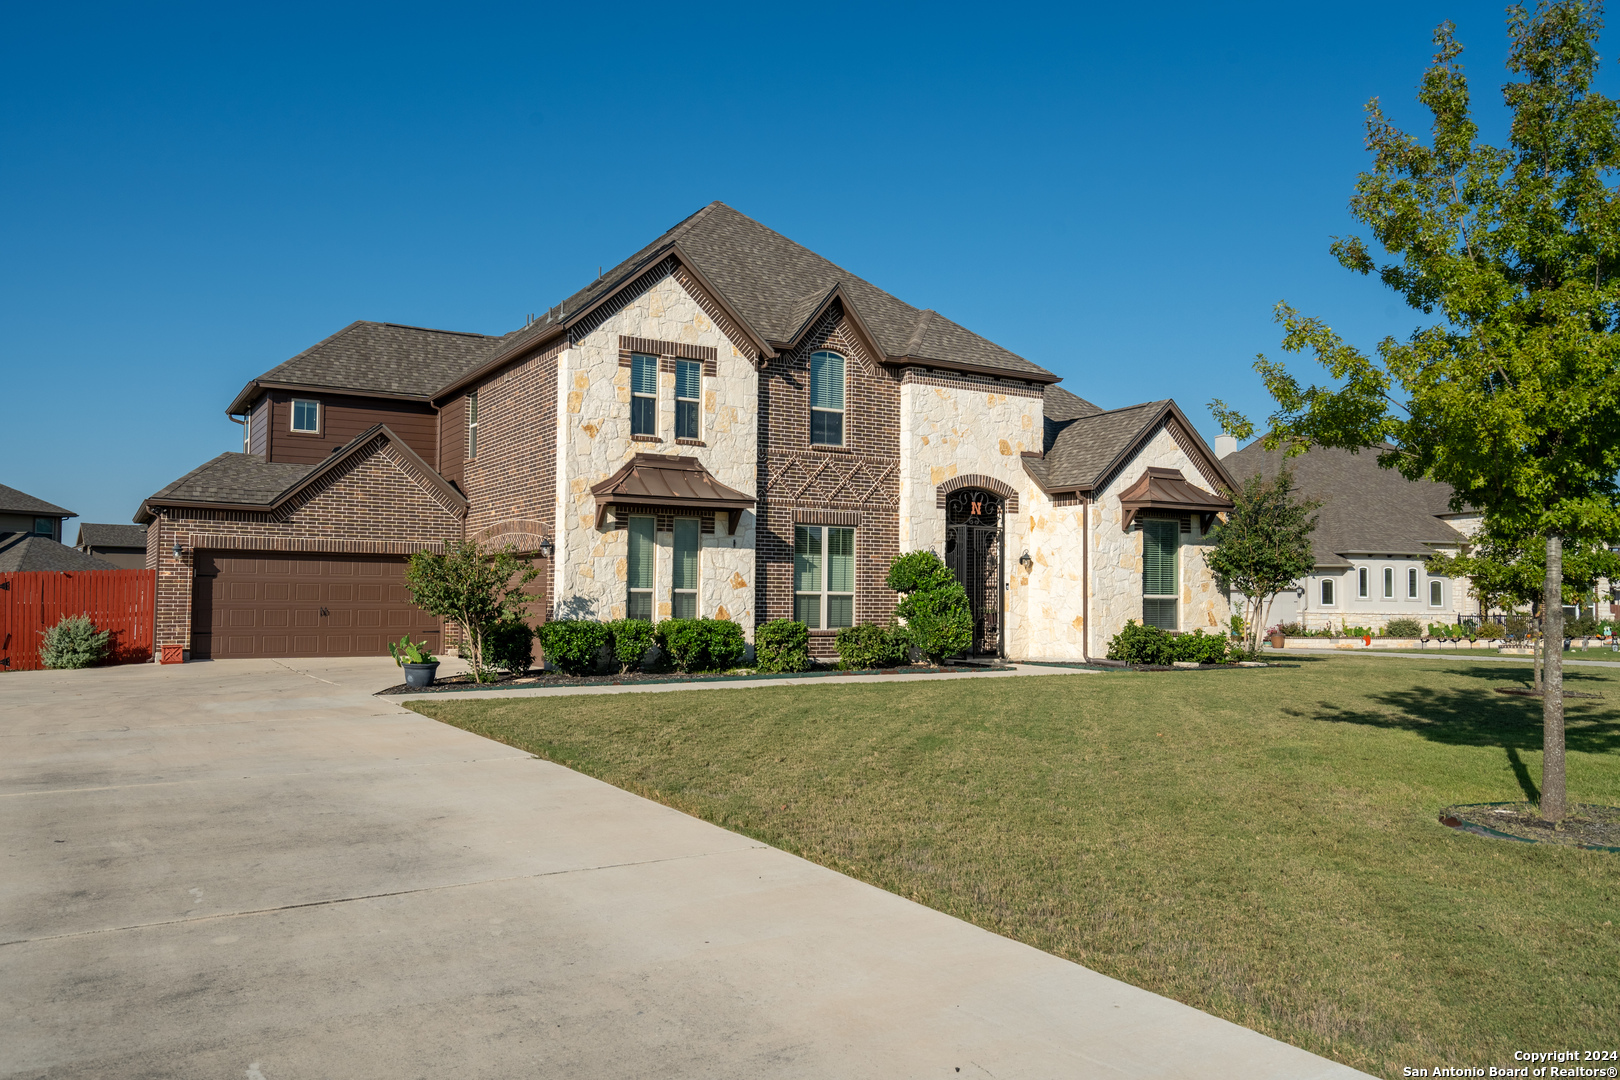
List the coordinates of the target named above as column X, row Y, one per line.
column 973, row 552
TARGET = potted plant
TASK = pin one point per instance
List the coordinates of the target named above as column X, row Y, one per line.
column 421, row 667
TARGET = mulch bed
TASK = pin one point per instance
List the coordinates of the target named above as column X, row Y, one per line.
column 1520, row 691
column 539, row 680
column 1587, row 826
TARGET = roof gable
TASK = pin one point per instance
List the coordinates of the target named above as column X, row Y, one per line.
column 13, row 501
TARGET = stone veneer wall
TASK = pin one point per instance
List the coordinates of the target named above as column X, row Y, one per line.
column 375, row 505
column 1116, row 556
column 593, row 405
column 1047, row 598
column 798, row 482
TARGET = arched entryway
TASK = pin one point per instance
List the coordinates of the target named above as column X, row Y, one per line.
column 974, row 539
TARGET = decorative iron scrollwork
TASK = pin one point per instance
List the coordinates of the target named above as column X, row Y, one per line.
column 973, row 506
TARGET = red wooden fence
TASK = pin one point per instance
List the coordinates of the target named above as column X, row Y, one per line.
column 118, row 600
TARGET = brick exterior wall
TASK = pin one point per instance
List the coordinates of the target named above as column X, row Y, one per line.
column 862, row 477
column 377, row 504
column 511, row 486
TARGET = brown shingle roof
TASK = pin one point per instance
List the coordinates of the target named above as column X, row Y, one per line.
column 13, row 501
column 93, row 534
column 25, row 551
column 1365, row 509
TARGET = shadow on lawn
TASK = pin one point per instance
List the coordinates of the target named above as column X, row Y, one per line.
column 1477, row 716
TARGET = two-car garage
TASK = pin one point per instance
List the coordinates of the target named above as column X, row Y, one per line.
column 279, row 604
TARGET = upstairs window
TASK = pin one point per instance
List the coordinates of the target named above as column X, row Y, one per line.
column 827, row 399
column 306, row 416
column 1411, row 584
column 639, row 567
column 688, row 388
column 684, row 579
column 824, row 577
column 45, row 526
column 643, row 394
column 472, row 425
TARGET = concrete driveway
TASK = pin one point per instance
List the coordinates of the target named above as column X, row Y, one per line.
column 257, row 870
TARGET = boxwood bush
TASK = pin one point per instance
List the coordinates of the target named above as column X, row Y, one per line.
column 869, row 646
column 1200, row 648
column 702, row 644
column 1403, row 627
column 510, row 646
column 574, row 644
column 782, row 645
column 1141, row 644
column 933, row 605
column 631, row 640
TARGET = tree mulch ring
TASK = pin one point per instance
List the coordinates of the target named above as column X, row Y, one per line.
column 538, row 680
column 1522, row 691
column 1596, row 828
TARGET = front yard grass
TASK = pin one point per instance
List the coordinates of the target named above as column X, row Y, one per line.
column 1261, row 844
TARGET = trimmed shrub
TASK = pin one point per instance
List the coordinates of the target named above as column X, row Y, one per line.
column 73, row 643
column 1491, row 631
column 509, row 646
column 1517, row 625
column 1585, row 626
column 631, row 640
column 1200, row 648
column 934, row 607
column 695, row 645
column 1403, row 628
column 868, row 646
column 574, row 644
column 782, row 645
column 1141, row 644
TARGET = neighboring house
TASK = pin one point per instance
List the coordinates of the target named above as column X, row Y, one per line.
column 723, row 425
column 122, row 545
column 31, row 534
column 1375, row 531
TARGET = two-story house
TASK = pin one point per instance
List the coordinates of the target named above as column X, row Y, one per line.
column 723, row 425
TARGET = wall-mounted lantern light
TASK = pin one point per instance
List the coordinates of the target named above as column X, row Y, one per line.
column 178, row 550
column 1025, row 561
column 545, row 548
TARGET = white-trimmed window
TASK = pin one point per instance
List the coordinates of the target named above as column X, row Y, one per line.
column 643, row 394
column 639, row 567
column 1160, row 554
column 1411, row 583
column 827, row 399
column 472, row 425
column 1437, row 593
column 1361, row 582
column 688, row 389
column 683, row 587
column 824, row 576
column 306, row 415
column 1389, row 583
column 1327, row 592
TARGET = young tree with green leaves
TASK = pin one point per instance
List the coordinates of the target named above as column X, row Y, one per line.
column 473, row 588
column 1512, row 394
column 1263, row 548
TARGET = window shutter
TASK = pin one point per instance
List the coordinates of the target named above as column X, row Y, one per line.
column 640, row 564
column 643, row 374
column 686, row 553
column 826, row 381
column 688, row 379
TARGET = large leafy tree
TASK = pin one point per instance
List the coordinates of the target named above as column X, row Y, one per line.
column 473, row 588
column 1263, row 547
column 1511, row 394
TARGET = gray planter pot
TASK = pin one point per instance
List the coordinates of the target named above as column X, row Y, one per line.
column 421, row 674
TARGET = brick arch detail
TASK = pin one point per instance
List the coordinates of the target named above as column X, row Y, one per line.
column 989, row 483
column 525, row 534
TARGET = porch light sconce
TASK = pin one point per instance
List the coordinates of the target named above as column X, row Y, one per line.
column 1025, row 561
column 545, row 548
column 178, row 550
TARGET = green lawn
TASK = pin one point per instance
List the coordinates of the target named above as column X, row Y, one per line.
column 1259, row 843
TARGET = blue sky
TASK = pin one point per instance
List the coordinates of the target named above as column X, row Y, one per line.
column 1121, row 193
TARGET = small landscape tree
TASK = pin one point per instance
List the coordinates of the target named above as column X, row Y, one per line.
column 1263, row 548
column 933, row 605
column 475, row 589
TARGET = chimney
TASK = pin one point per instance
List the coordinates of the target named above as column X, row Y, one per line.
column 1225, row 446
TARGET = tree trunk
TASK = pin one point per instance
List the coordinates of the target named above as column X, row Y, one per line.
column 1536, row 653
column 1552, row 695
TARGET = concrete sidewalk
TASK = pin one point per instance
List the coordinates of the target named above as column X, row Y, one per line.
column 257, row 869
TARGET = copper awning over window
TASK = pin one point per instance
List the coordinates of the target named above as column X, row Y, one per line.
column 672, row 481
column 1165, row 489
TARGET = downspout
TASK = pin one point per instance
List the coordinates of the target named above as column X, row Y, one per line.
column 1085, row 579
column 234, row 420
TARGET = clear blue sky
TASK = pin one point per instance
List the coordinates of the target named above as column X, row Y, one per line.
column 188, row 196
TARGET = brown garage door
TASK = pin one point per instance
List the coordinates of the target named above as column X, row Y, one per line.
column 266, row 604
